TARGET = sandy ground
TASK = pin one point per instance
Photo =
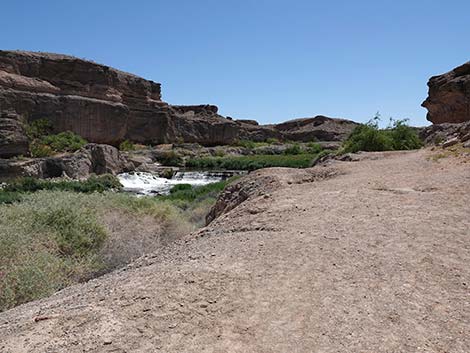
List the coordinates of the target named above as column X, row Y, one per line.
column 374, row 259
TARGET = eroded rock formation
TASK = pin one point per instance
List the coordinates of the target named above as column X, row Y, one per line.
column 449, row 96
column 13, row 140
column 105, row 105
column 91, row 159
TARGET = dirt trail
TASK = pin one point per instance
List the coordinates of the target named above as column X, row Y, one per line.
column 374, row 259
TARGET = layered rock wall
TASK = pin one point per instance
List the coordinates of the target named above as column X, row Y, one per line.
column 449, row 96
column 107, row 106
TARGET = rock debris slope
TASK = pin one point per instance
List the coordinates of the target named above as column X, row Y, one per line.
column 367, row 256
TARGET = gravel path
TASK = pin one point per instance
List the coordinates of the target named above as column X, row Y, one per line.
column 373, row 259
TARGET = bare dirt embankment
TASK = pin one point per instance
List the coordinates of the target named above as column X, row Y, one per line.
column 368, row 256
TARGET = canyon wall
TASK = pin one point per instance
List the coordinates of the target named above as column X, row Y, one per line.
column 108, row 106
column 449, row 96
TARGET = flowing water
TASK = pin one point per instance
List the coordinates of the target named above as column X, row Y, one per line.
column 143, row 183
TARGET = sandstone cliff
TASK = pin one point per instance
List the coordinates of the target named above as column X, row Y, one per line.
column 449, row 96
column 105, row 105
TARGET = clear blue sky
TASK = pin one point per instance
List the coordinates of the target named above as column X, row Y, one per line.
column 268, row 60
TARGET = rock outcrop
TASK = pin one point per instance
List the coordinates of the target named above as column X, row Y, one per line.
column 13, row 140
column 91, row 159
column 107, row 106
column 446, row 133
column 102, row 104
column 449, row 96
column 319, row 128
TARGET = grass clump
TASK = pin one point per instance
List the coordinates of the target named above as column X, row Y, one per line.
column 368, row 137
column 252, row 162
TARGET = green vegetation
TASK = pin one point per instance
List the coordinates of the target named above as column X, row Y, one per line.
column 9, row 197
column 187, row 193
column 252, row 162
column 293, row 149
column 314, row 147
column 368, row 137
column 92, row 184
column 127, row 145
column 252, row 144
column 44, row 143
column 170, row 158
column 56, row 236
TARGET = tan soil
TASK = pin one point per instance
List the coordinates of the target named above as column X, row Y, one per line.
column 374, row 259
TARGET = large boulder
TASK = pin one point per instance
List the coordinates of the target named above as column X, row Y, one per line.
column 13, row 140
column 449, row 96
column 91, row 159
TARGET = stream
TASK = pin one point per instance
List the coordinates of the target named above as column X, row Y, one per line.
column 143, row 183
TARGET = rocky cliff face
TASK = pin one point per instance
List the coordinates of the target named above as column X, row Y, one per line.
column 449, row 96
column 105, row 105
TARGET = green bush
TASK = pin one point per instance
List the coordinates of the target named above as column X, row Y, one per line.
column 9, row 197
column 314, row 147
column 293, row 149
column 39, row 150
column 64, row 142
column 369, row 137
column 170, row 158
column 38, row 128
column 126, row 145
column 252, row 162
column 272, row 140
column 92, row 184
column 404, row 137
column 44, row 144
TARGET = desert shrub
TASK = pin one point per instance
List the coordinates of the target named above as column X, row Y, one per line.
column 47, row 242
column 249, row 144
column 404, row 137
column 314, row 147
column 127, row 145
column 44, row 144
column 246, row 144
column 368, row 137
column 272, row 140
column 38, row 128
column 9, row 197
column 187, row 192
column 75, row 233
column 252, row 162
column 39, row 150
column 55, row 238
column 219, row 152
column 170, row 158
column 92, row 184
column 293, row 149
column 64, row 142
